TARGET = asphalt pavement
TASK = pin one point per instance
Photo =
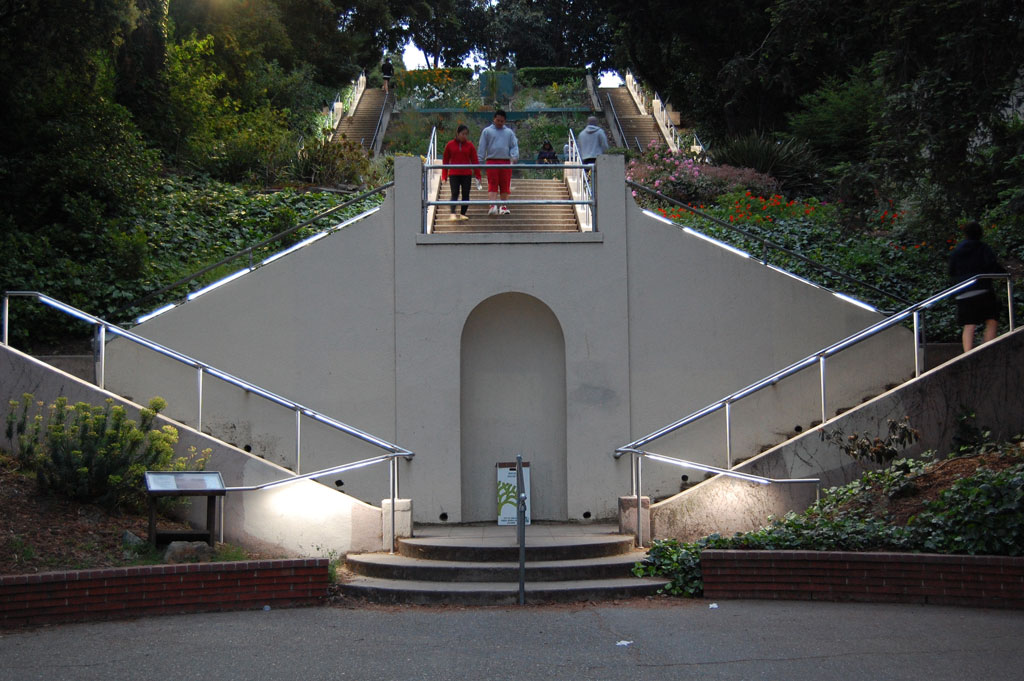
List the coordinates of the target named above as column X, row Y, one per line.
column 634, row 640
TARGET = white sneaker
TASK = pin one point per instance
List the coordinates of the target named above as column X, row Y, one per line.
column 504, row 211
column 493, row 210
column 463, row 217
column 454, row 217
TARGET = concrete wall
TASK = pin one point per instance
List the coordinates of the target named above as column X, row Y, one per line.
column 303, row 519
column 368, row 326
column 986, row 380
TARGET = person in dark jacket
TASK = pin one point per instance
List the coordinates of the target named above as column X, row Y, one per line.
column 978, row 304
column 387, row 70
column 547, row 153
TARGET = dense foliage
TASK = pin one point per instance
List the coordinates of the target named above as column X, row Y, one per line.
column 93, row 454
column 981, row 514
column 916, row 102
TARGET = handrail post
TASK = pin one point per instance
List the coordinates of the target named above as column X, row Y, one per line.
column 728, row 434
column 101, row 350
column 298, row 441
column 824, row 401
column 199, row 390
column 6, row 304
column 393, row 484
column 639, row 505
column 917, row 343
column 1010, row 303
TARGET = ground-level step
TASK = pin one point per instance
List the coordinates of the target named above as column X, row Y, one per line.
column 504, row 547
column 497, row 593
column 394, row 566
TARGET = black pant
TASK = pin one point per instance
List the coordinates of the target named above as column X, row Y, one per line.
column 460, row 182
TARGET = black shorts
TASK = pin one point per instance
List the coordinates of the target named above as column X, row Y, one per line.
column 977, row 309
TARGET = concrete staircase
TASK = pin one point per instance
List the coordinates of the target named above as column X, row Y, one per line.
column 477, row 565
column 360, row 126
column 524, row 218
column 636, row 126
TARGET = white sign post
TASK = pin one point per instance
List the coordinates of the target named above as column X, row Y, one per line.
column 507, row 502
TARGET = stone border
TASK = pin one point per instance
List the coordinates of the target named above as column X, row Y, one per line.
column 977, row 581
column 108, row 593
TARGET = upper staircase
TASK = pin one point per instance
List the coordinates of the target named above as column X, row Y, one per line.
column 479, row 565
column 636, row 126
column 523, row 218
column 360, row 126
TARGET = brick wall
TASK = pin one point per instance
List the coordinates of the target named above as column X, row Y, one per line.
column 81, row 595
column 986, row 581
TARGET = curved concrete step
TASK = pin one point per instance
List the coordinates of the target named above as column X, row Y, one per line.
column 394, row 566
column 491, row 593
column 483, row 549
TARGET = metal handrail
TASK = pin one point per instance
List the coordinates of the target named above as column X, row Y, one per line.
column 250, row 249
column 615, row 117
column 703, row 149
column 659, row 109
column 380, row 121
column 767, row 243
column 638, row 455
column 819, row 357
column 586, row 220
column 521, row 526
column 202, row 369
column 578, row 178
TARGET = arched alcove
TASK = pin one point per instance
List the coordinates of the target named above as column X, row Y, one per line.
column 513, row 399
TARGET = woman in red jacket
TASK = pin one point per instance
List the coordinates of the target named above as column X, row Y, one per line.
column 460, row 151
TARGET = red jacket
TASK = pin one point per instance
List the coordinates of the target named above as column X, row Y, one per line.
column 455, row 152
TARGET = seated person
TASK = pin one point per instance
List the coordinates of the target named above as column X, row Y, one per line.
column 547, row 154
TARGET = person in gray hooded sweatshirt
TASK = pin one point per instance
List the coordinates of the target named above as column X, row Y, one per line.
column 592, row 141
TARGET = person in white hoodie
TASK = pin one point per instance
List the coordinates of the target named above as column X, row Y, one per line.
column 498, row 146
column 592, row 142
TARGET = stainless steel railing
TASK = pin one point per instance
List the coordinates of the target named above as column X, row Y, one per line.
column 636, row 470
column 618, row 123
column 202, row 370
column 819, row 358
column 577, row 178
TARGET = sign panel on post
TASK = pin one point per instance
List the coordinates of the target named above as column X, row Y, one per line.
column 507, row 502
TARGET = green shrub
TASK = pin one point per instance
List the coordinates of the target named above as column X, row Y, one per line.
column 94, row 454
column 545, row 75
column 836, row 118
column 328, row 163
column 980, row 514
column 791, row 162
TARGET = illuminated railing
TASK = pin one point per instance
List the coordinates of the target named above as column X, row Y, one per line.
column 202, row 370
column 636, row 448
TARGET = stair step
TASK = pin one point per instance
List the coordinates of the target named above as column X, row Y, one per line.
column 395, row 566
column 497, row 593
column 504, row 548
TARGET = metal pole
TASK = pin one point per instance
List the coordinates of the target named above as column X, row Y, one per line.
column 639, row 505
column 101, row 342
column 728, row 434
column 1010, row 303
column 393, row 484
column 824, row 407
column 521, row 527
column 298, row 441
column 917, row 343
column 199, row 388
column 5, row 316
